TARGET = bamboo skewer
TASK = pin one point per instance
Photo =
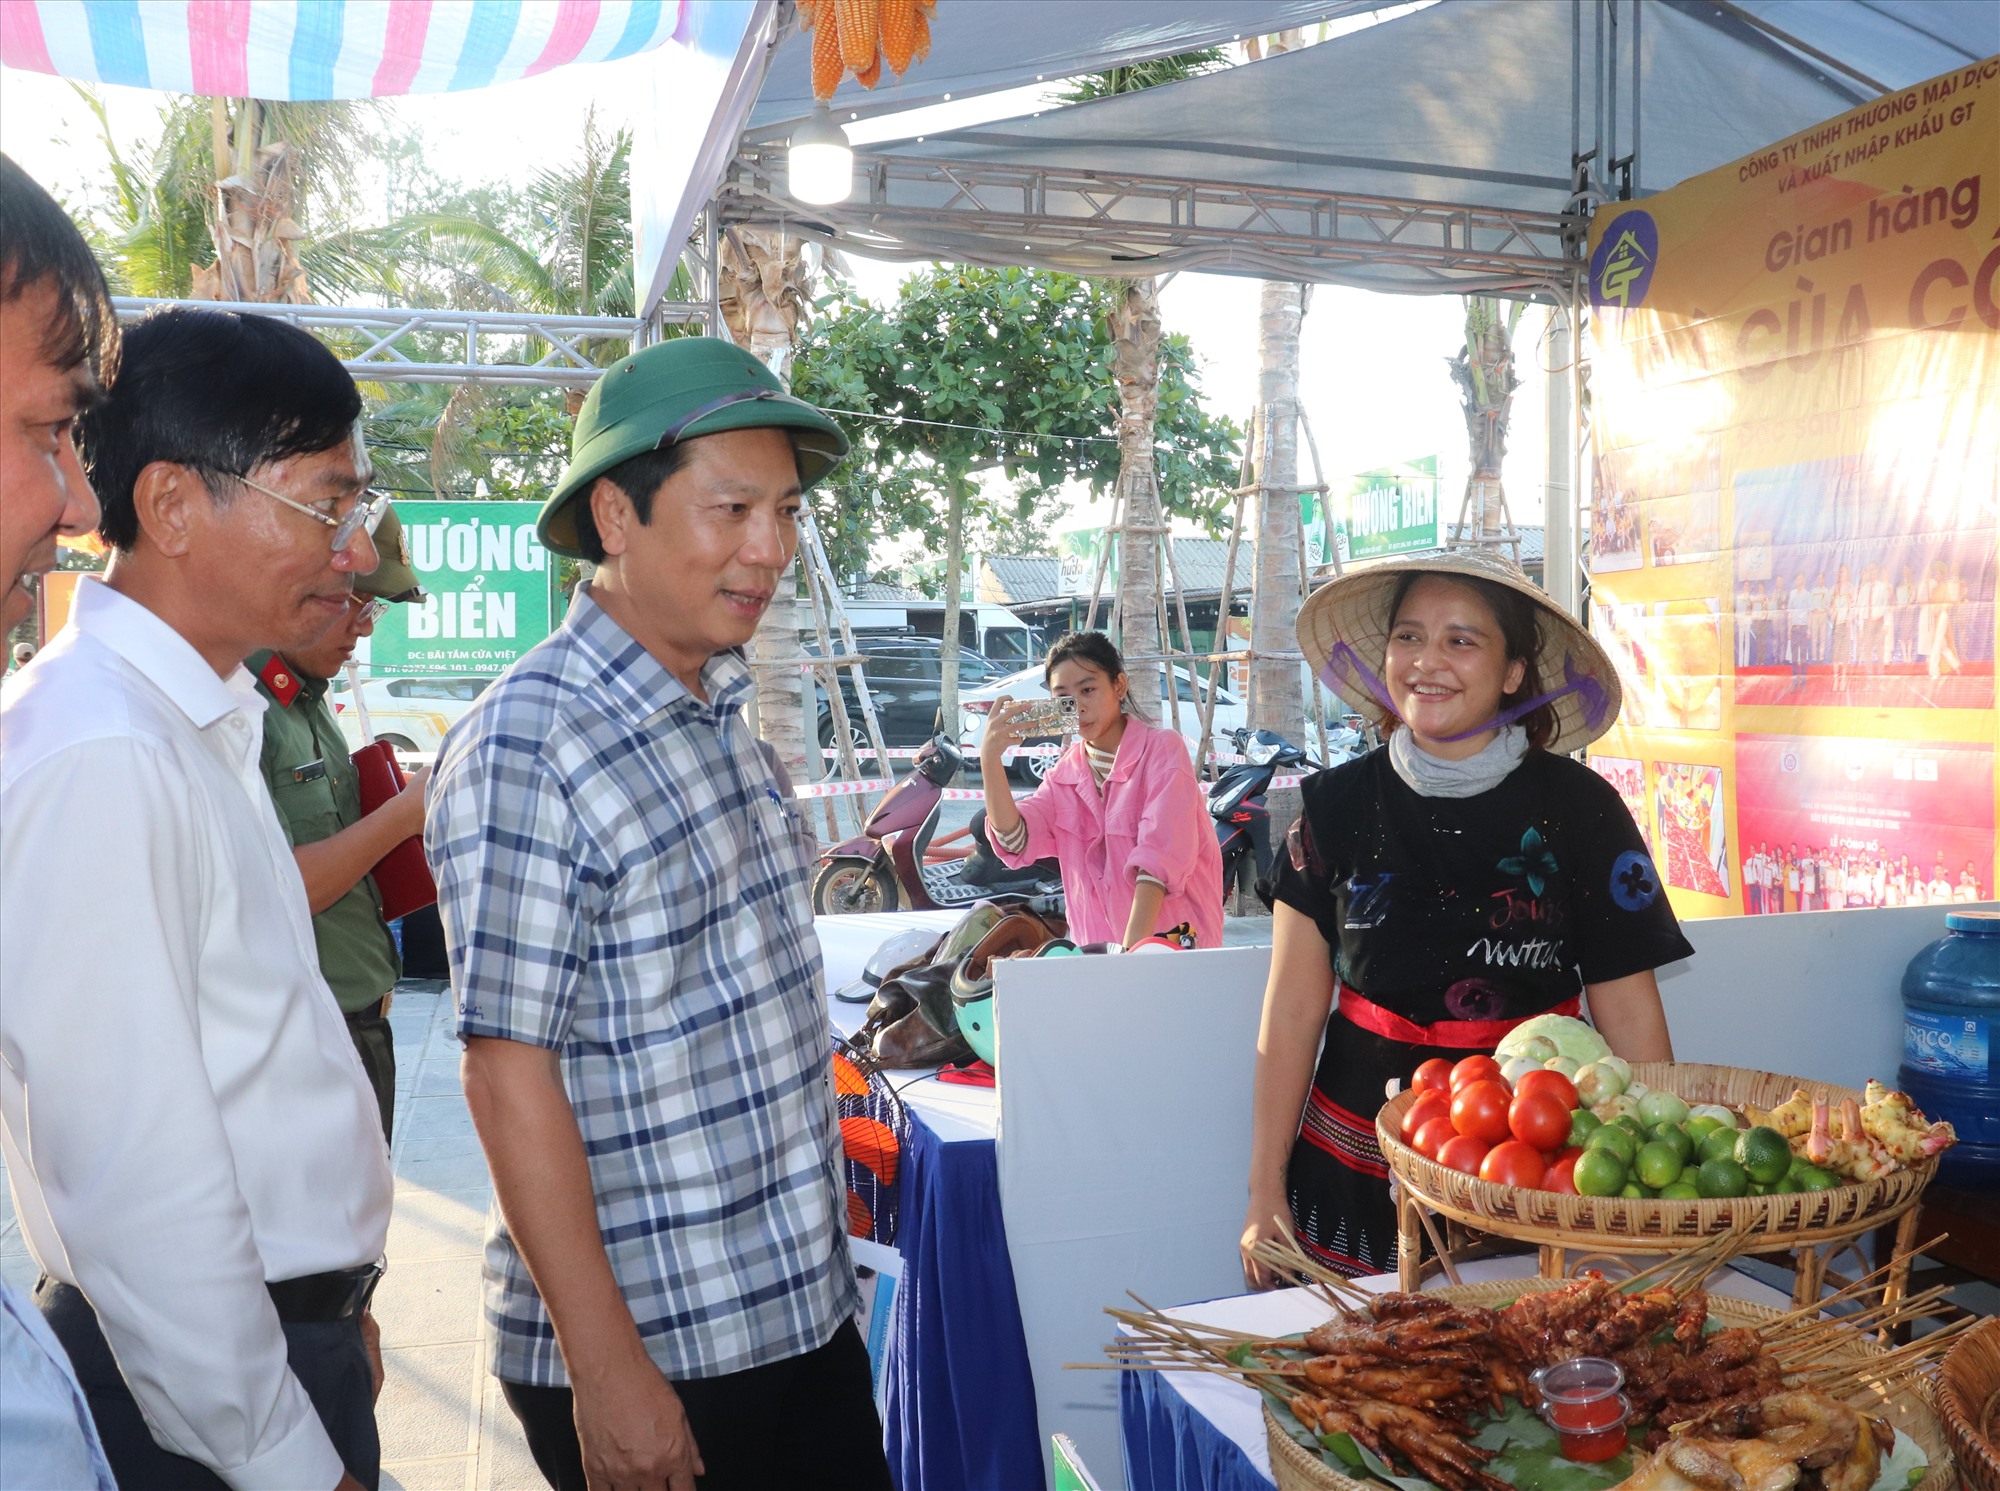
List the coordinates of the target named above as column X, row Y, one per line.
column 1878, row 1319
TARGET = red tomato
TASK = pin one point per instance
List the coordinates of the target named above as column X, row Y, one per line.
column 1474, row 1069
column 1555, row 1084
column 1480, row 1109
column 1513, row 1164
column 1538, row 1120
column 1463, row 1153
column 1434, row 1074
column 1561, row 1173
column 1432, row 1137
column 1429, row 1105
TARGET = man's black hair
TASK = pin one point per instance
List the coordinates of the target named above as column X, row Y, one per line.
column 38, row 242
column 219, row 393
column 638, row 477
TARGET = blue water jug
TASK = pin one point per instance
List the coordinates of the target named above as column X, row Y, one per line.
column 1951, row 1016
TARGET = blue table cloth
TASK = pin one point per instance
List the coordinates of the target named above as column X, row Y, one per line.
column 959, row 1400
column 1170, row 1447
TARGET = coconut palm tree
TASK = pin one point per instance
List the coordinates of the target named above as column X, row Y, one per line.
column 1483, row 369
column 1276, row 700
column 765, row 279
column 181, row 221
column 1135, row 340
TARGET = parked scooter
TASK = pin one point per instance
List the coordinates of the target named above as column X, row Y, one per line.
column 893, row 867
column 1242, row 821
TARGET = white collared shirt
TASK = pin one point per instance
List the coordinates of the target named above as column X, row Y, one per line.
column 184, row 1114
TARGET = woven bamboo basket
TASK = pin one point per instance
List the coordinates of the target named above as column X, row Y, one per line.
column 1663, row 1226
column 1911, row 1407
column 1969, row 1405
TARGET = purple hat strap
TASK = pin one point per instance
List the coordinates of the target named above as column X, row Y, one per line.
column 1344, row 668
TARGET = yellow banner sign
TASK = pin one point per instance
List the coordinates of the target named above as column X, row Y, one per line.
column 1795, row 529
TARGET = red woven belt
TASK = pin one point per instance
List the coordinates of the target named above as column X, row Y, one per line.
column 1454, row 1035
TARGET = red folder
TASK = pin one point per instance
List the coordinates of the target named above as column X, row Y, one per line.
column 402, row 876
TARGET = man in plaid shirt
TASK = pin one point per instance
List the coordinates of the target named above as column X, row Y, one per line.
column 638, row 982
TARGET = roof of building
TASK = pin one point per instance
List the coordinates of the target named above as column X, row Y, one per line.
column 1026, row 579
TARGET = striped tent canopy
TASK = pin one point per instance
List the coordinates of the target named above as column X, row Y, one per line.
column 319, row 49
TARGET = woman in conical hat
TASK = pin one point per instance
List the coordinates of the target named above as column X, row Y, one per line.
column 1465, row 877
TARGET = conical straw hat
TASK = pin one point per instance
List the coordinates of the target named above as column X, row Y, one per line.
column 1344, row 633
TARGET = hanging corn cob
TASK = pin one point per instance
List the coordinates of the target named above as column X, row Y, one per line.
column 860, row 36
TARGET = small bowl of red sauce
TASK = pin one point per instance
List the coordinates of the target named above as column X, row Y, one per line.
column 1583, row 1401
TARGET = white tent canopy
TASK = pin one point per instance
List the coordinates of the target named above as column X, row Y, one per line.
column 981, row 46
column 1433, row 152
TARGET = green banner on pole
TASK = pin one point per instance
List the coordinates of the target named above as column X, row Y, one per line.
column 1393, row 510
column 489, row 584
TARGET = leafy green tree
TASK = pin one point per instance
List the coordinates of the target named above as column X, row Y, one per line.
column 979, row 371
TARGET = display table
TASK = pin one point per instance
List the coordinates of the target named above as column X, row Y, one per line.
column 1197, row 1431
column 959, row 1400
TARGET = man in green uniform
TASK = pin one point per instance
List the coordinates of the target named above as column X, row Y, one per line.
column 318, row 796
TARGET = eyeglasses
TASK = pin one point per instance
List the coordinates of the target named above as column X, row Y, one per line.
column 741, row 396
column 370, row 608
column 369, row 509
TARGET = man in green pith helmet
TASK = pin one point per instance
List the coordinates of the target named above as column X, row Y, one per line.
column 318, row 796
column 638, row 982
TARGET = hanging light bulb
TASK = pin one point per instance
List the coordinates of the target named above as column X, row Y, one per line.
column 820, row 160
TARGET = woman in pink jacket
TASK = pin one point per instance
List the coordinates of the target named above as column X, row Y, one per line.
column 1120, row 811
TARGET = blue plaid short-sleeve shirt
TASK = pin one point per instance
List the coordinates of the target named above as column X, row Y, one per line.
column 619, row 882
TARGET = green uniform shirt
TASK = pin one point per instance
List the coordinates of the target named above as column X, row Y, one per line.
column 318, row 792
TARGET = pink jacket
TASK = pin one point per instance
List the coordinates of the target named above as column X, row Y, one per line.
column 1150, row 816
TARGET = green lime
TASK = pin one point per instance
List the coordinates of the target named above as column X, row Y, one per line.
column 1674, row 1134
column 1582, row 1124
column 1719, row 1177
column 1631, row 1125
column 1701, row 1126
column 1812, row 1178
column 1758, row 1188
column 1719, row 1145
column 1616, row 1139
column 1600, row 1171
column 1764, row 1153
column 1658, row 1164
column 1633, row 1191
column 1680, row 1190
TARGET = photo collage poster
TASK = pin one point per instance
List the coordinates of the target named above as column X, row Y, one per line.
column 1795, row 511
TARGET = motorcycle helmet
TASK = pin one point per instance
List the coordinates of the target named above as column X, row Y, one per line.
column 896, row 953
column 1020, row 932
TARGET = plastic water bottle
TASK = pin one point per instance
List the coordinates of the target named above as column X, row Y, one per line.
column 1951, row 1019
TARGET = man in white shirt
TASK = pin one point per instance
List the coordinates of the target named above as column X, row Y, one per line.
column 58, row 343
column 195, row 1152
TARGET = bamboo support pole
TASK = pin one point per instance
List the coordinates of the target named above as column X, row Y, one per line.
column 853, row 659
column 829, row 677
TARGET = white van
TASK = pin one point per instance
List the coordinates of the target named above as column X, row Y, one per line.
column 992, row 631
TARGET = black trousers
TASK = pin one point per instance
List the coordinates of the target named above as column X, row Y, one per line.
column 329, row 1361
column 808, row 1421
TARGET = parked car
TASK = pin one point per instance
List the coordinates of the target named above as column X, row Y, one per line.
column 976, row 704
column 412, row 714
column 904, row 673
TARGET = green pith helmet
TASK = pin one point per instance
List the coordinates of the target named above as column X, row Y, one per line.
column 675, row 391
column 393, row 578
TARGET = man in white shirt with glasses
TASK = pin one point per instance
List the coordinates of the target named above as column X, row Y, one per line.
column 193, row 1145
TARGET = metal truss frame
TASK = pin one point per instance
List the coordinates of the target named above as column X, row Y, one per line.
column 390, row 345
column 1110, row 222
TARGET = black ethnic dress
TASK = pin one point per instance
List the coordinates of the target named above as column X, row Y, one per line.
column 1495, row 907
